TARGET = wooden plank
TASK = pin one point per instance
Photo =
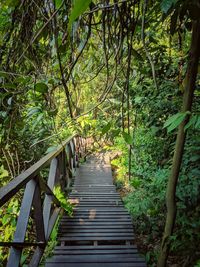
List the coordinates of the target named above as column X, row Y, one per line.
column 97, row 259
column 53, row 220
column 94, row 193
column 96, row 212
column 48, row 200
column 100, row 186
column 22, row 222
column 93, row 230
column 88, row 253
column 101, row 211
column 97, row 252
column 48, row 191
column 97, row 209
column 118, row 227
column 102, row 247
column 22, row 244
column 93, row 264
column 18, row 182
column 83, row 221
column 94, row 216
column 109, row 234
column 52, row 173
column 96, row 198
column 94, row 201
column 70, row 158
column 66, row 179
column 93, row 212
column 35, row 260
column 99, row 217
column 98, row 205
column 38, row 215
column 95, row 238
column 98, row 202
column 97, row 224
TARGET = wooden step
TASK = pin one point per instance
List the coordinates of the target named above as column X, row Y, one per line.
column 100, row 232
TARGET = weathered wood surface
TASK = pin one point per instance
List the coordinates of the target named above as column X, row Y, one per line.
column 39, row 201
column 20, row 181
column 100, row 233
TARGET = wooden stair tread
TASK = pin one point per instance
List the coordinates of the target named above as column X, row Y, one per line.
column 100, row 233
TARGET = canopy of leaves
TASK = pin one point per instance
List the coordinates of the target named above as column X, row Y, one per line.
column 113, row 71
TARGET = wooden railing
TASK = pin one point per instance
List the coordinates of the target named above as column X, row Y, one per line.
column 39, row 199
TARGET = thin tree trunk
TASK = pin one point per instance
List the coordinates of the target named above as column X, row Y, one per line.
column 179, row 146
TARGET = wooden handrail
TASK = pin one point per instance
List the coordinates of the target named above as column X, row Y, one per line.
column 18, row 182
column 62, row 162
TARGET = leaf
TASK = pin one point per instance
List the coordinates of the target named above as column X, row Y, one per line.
column 9, row 85
column 13, row 3
column 6, row 219
column 33, row 111
column 171, row 119
column 79, row 7
column 166, row 5
column 115, row 133
column 174, row 121
column 9, row 101
column 154, row 129
column 137, row 55
column 115, row 101
column 41, row 87
column 3, row 172
column 39, row 118
column 195, row 158
column 58, row 3
column 22, row 80
column 127, row 138
column 23, row 259
column 106, row 128
column 4, row 74
column 3, row 114
column 53, row 112
column 138, row 99
column 191, row 122
column 135, row 183
column 197, row 125
column 51, row 149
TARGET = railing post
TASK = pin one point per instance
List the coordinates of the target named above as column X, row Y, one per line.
column 62, row 168
column 76, row 143
column 38, row 215
column 22, row 222
column 72, row 154
column 64, row 177
column 40, row 231
column 48, row 200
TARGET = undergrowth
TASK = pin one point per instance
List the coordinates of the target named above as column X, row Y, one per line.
column 144, row 197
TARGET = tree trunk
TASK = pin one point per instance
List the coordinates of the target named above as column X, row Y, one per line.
column 179, row 146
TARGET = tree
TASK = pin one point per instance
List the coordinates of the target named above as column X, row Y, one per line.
column 180, row 141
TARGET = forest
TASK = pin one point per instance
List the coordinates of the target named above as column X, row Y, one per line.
column 125, row 74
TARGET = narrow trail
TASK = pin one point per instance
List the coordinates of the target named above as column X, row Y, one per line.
column 100, row 233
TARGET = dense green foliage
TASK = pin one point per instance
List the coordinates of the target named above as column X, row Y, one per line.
column 113, row 71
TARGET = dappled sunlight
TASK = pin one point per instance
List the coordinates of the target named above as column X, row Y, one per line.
column 92, row 214
column 74, row 201
column 81, row 221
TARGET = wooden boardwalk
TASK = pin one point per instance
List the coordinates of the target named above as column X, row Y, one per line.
column 100, row 233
